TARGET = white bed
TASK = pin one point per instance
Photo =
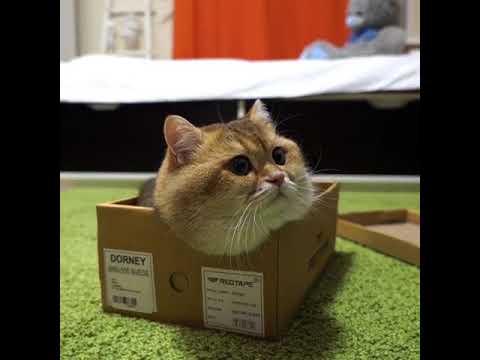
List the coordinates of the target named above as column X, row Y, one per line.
column 385, row 81
column 104, row 79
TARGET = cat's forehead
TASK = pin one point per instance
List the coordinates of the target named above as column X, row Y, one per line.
column 242, row 137
column 249, row 136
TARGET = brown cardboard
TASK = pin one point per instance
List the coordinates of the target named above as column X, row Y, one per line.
column 392, row 232
column 290, row 261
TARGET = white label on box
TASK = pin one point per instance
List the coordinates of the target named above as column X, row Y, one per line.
column 233, row 300
column 129, row 280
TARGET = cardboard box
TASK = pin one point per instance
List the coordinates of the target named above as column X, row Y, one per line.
column 392, row 232
column 145, row 271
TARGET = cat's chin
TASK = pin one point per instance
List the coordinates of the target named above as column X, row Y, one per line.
column 281, row 210
column 284, row 209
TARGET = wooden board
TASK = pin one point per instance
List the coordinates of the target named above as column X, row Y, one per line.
column 391, row 232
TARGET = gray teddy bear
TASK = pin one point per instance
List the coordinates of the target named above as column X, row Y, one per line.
column 373, row 32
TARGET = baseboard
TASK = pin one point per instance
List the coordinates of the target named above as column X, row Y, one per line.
column 348, row 182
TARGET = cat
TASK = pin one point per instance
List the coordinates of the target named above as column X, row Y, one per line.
column 225, row 187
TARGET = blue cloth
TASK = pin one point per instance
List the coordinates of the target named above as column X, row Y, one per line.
column 365, row 35
column 316, row 51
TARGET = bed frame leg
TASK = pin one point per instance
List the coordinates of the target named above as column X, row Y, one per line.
column 240, row 109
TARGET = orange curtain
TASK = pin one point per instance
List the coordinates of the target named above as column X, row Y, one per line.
column 255, row 29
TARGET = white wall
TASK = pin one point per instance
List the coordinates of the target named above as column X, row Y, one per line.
column 89, row 18
column 89, row 21
column 410, row 21
column 413, row 23
column 68, row 43
column 90, row 25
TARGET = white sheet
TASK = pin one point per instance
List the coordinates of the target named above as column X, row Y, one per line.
column 112, row 79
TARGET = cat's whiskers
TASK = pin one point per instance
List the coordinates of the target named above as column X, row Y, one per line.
column 325, row 204
column 304, row 184
column 318, row 202
column 238, row 240
column 253, row 228
column 246, row 226
column 301, row 190
column 264, row 228
column 245, row 231
column 306, row 176
column 326, row 199
column 232, row 241
column 229, row 228
column 247, row 234
column 267, row 232
column 301, row 199
column 324, row 195
column 255, row 216
column 304, row 188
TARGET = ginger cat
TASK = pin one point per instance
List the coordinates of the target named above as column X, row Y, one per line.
column 224, row 187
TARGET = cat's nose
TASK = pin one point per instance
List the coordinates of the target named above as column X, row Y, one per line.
column 277, row 178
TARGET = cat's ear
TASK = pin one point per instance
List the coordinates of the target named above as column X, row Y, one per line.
column 182, row 138
column 258, row 112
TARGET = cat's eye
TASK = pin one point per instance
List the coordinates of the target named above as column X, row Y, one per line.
column 279, row 156
column 240, row 165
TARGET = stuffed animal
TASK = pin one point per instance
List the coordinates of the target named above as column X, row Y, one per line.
column 374, row 32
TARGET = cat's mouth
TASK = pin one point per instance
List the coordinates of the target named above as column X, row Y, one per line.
column 272, row 196
column 277, row 196
column 288, row 192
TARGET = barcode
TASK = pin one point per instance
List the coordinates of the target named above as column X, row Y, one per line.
column 129, row 301
column 244, row 324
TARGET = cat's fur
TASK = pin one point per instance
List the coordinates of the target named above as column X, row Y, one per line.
column 213, row 209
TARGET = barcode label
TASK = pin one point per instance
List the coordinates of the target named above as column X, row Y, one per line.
column 244, row 324
column 129, row 301
column 233, row 300
column 129, row 281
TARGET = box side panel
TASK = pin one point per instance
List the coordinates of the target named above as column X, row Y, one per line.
column 130, row 201
column 376, row 217
column 100, row 246
column 405, row 231
column 413, row 216
column 126, row 229
column 406, row 251
column 262, row 261
column 304, row 250
column 177, row 268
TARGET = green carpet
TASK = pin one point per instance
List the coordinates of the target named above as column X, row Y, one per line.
column 366, row 306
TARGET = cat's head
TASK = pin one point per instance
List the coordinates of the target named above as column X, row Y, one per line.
column 363, row 14
column 224, row 187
